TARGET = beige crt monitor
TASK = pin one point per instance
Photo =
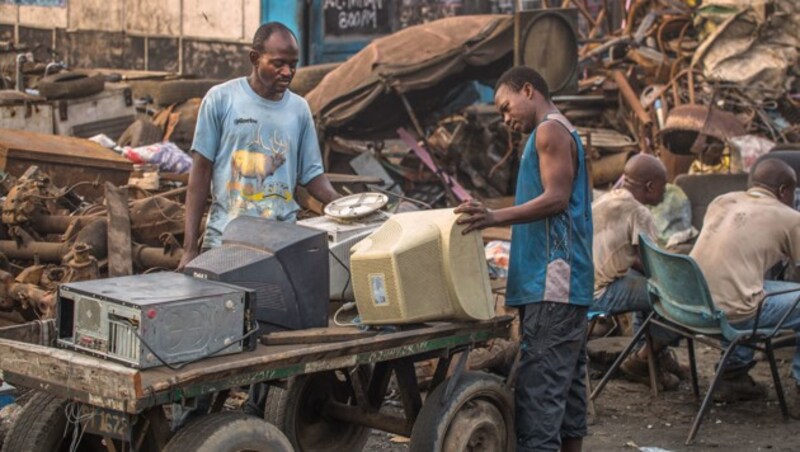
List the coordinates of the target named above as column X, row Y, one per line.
column 419, row 267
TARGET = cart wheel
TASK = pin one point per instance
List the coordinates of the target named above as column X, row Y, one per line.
column 229, row 432
column 297, row 411
column 477, row 416
column 42, row 426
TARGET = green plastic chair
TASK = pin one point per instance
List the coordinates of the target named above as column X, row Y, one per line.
column 682, row 303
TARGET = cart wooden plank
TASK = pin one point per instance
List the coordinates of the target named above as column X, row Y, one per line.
column 105, row 384
column 316, row 336
column 101, row 383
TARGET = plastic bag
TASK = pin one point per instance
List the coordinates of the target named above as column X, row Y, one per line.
column 168, row 156
column 498, row 253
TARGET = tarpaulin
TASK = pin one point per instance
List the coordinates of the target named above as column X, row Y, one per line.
column 424, row 62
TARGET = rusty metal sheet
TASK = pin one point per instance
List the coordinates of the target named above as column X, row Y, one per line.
column 67, row 160
column 120, row 262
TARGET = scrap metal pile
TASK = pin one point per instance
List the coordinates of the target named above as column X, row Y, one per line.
column 709, row 82
column 709, row 88
column 52, row 235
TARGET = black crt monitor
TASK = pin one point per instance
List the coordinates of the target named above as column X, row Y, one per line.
column 284, row 263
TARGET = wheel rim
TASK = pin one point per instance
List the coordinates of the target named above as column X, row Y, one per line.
column 478, row 426
column 314, row 430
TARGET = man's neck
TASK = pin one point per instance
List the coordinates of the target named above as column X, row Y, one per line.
column 759, row 190
column 262, row 90
column 547, row 108
column 633, row 190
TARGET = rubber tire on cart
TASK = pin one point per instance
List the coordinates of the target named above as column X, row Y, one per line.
column 229, row 431
column 42, row 426
column 297, row 411
column 477, row 416
column 308, row 77
column 71, row 85
column 174, row 91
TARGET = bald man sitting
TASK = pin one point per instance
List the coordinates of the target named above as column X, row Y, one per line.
column 744, row 235
column 619, row 217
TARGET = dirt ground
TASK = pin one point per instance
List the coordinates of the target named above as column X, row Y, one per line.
column 628, row 417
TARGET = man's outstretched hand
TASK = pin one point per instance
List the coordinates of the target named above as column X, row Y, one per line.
column 187, row 257
column 477, row 216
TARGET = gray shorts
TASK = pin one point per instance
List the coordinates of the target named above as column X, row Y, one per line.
column 550, row 389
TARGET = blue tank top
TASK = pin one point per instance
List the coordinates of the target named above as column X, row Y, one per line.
column 551, row 259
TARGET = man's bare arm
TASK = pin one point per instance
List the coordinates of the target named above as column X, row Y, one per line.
column 557, row 170
column 320, row 188
column 196, row 196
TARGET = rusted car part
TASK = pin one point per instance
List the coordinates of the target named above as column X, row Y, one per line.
column 46, row 225
column 153, row 217
column 150, row 218
column 33, row 196
column 32, row 292
column 148, row 256
column 689, row 129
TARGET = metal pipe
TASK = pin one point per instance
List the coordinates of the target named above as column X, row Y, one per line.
column 630, row 97
column 51, row 65
column 152, row 257
column 57, row 224
column 20, row 81
column 48, row 252
column 180, row 37
column 355, row 415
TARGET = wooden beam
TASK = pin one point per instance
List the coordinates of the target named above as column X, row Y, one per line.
column 120, row 254
column 99, row 382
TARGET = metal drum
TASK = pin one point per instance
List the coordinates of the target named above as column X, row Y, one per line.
column 547, row 40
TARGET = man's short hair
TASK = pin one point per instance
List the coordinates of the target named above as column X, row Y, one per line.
column 268, row 29
column 516, row 77
column 772, row 173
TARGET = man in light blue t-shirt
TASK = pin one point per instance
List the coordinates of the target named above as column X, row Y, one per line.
column 254, row 142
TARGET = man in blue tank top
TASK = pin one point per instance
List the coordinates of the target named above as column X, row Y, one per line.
column 551, row 276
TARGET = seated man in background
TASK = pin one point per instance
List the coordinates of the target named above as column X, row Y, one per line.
column 744, row 235
column 620, row 287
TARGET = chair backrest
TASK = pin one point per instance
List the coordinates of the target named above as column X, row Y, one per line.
column 701, row 189
column 678, row 285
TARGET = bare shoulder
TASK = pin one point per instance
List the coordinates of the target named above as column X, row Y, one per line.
column 551, row 136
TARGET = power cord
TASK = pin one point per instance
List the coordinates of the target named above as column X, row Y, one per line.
column 349, row 276
column 345, row 307
column 253, row 330
column 72, row 411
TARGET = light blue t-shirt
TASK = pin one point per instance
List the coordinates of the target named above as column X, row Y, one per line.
column 260, row 149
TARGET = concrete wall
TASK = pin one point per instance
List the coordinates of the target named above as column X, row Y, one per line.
column 208, row 38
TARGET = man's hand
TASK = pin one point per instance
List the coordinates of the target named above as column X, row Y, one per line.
column 187, row 257
column 478, row 216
